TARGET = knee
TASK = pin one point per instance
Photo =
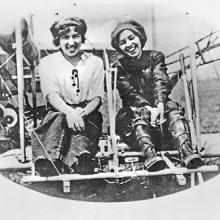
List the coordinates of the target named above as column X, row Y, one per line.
column 172, row 106
column 178, row 126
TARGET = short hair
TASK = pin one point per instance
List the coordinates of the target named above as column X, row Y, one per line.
column 128, row 25
column 62, row 26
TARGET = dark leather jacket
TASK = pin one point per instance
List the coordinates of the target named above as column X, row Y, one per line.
column 144, row 81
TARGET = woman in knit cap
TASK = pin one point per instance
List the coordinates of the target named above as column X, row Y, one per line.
column 72, row 83
column 144, row 87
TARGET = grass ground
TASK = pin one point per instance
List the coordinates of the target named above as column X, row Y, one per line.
column 209, row 105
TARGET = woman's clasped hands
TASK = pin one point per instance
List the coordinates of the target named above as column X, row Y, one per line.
column 156, row 114
column 75, row 120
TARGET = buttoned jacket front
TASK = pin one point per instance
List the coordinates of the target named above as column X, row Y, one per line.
column 143, row 81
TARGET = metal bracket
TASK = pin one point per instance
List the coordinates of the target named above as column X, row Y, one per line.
column 66, row 186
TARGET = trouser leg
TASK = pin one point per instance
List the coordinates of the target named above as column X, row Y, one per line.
column 179, row 131
column 144, row 140
column 81, row 148
column 143, row 136
column 74, row 145
column 46, row 139
column 134, row 128
column 56, row 142
column 145, row 144
column 47, row 144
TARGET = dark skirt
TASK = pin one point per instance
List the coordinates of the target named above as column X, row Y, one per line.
column 54, row 140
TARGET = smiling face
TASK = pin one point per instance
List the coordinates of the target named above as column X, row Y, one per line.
column 130, row 44
column 70, row 43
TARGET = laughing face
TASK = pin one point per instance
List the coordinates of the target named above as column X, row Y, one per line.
column 130, row 44
column 70, row 43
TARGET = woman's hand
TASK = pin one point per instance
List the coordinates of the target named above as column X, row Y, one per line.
column 74, row 119
column 160, row 107
column 154, row 115
column 157, row 114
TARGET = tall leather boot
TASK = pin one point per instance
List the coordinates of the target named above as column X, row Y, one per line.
column 181, row 135
column 152, row 161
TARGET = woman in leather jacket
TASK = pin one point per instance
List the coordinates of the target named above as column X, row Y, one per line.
column 144, row 86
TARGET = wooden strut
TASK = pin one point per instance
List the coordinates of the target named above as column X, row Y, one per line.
column 20, row 57
column 19, row 167
column 34, row 95
column 19, row 60
column 119, row 175
column 197, row 65
column 186, row 47
column 188, row 103
column 111, row 111
column 194, row 85
column 203, row 50
column 200, row 52
column 181, row 180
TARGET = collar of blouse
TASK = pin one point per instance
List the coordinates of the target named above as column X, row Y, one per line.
column 83, row 57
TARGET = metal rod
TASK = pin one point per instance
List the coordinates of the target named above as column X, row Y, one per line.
column 7, row 60
column 19, row 61
column 177, row 52
column 118, row 175
column 177, row 60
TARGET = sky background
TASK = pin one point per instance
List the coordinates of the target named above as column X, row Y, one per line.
column 172, row 24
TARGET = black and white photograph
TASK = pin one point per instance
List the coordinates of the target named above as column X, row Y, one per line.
column 109, row 110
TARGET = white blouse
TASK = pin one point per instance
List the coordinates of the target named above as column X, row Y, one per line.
column 56, row 76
